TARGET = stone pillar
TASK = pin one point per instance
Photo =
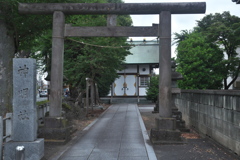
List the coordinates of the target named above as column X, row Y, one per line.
column 111, row 20
column 25, row 120
column 93, row 104
column 87, row 95
column 165, row 126
column 24, row 100
column 55, row 126
column 165, row 65
column 57, row 64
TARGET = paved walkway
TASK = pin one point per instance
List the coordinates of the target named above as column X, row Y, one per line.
column 119, row 134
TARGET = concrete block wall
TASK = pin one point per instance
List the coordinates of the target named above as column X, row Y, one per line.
column 213, row 113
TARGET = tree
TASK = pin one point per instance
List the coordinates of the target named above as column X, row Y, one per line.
column 200, row 63
column 22, row 27
column 6, row 55
column 26, row 34
column 220, row 32
column 17, row 37
column 97, row 63
column 87, row 57
column 179, row 37
column 223, row 30
column 27, row 28
column 153, row 89
column 93, row 61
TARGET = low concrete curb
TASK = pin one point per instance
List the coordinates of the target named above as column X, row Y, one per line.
column 149, row 148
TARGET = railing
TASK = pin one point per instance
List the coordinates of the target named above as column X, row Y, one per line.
column 41, row 111
column 6, row 125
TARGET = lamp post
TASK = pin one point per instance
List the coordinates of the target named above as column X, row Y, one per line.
column 175, row 77
column 166, row 131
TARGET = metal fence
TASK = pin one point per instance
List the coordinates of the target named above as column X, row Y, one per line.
column 6, row 125
column 5, row 130
column 41, row 111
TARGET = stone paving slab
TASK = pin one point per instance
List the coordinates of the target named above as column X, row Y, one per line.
column 119, row 134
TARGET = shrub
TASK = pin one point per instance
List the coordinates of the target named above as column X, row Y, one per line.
column 152, row 90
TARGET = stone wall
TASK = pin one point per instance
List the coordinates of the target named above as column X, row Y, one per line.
column 213, row 113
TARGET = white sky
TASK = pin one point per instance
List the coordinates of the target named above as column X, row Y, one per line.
column 184, row 21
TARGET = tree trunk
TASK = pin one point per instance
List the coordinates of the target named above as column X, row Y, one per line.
column 73, row 92
column 234, row 78
column 24, row 54
column 6, row 55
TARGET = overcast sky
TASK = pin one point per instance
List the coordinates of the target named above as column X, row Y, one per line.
column 184, row 21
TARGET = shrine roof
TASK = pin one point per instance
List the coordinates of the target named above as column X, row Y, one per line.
column 143, row 53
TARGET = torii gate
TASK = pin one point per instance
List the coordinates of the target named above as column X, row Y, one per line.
column 60, row 31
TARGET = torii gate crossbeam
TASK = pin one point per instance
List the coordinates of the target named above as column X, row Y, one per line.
column 112, row 8
column 111, row 31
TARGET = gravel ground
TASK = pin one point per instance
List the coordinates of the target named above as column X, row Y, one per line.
column 197, row 148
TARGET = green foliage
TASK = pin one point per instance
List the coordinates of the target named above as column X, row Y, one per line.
column 25, row 28
column 153, row 89
column 82, row 60
column 66, row 107
column 33, row 33
column 179, row 37
column 114, row 1
column 201, row 52
column 99, row 64
column 200, row 63
column 42, row 102
column 223, row 30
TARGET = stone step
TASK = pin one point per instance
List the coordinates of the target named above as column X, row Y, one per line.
column 180, row 124
column 184, row 129
column 145, row 101
column 126, row 100
column 105, row 101
column 177, row 115
column 174, row 109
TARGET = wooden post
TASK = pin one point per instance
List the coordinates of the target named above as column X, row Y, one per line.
column 165, row 95
column 57, row 64
column 112, row 89
column 97, row 94
column 87, row 96
column 92, row 94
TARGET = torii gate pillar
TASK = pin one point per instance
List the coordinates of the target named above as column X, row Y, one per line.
column 54, row 125
column 165, row 126
column 165, row 94
column 57, row 64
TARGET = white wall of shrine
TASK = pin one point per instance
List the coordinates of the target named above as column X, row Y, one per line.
column 132, row 81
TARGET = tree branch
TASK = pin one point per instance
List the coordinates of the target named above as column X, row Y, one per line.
column 235, row 77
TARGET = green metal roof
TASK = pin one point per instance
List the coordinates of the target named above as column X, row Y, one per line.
column 143, row 52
